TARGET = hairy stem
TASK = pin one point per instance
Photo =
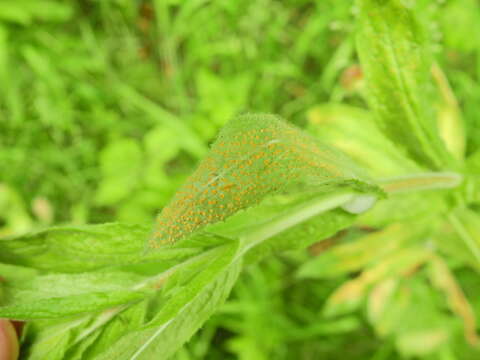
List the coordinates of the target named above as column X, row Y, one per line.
column 422, row 181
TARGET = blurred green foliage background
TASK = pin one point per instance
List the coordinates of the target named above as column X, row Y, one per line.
column 107, row 105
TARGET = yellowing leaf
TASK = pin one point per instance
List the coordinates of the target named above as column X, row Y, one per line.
column 379, row 297
column 355, row 255
column 450, row 121
column 351, row 293
column 444, row 280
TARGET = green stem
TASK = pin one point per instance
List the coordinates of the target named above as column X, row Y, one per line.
column 294, row 217
column 422, row 181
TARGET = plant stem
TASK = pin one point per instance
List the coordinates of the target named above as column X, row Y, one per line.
column 421, row 181
column 292, row 218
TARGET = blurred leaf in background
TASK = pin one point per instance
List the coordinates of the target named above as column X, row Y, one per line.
column 77, row 76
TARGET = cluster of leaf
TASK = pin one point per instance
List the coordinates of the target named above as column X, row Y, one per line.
column 408, row 264
column 405, row 271
column 122, row 299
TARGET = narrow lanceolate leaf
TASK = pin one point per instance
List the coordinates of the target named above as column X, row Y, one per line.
column 255, row 156
column 466, row 224
column 450, row 122
column 445, row 281
column 179, row 301
column 472, row 183
column 49, row 339
column 83, row 248
column 354, row 256
column 350, row 294
column 59, row 295
column 180, row 316
column 397, row 71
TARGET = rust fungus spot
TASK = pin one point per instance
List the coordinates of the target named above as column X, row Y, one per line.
column 258, row 156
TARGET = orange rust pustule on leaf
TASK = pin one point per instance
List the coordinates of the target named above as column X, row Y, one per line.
column 254, row 156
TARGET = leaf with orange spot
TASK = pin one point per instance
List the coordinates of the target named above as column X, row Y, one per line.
column 266, row 157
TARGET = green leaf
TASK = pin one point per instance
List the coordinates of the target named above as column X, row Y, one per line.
column 220, row 98
column 318, row 227
column 422, row 342
column 354, row 131
column 50, row 338
column 287, row 222
column 54, row 296
column 157, row 325
column 180, row 317
column 390, row 43
column 84, row 248
column 264, row 187
column 186, row 136
column 405, row 207
column 445, row 281
column 414, row 319
column 161, row 146
column 266, row 229
column 472, row 186
column 254, row 157
column 466, row 223
column 14, row 211
column 16, row 273
column 349, row 295
column 120, row 163
column 14, row 13
column 457, row 20
column 450, row 122
column 25, row 11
